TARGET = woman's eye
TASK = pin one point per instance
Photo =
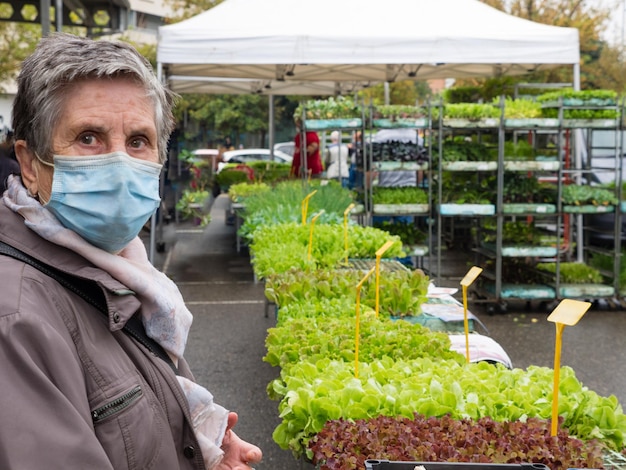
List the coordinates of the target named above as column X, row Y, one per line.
column 87, row 139
column 137, row 143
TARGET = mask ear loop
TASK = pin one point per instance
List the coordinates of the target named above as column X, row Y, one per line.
column 42, row 161
column 48, row 164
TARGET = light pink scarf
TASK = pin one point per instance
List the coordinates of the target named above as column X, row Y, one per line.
column 163, row 312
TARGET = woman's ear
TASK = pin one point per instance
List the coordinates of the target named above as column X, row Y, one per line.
column 26, row 159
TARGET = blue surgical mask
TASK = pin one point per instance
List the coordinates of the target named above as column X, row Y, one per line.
column 106, row 199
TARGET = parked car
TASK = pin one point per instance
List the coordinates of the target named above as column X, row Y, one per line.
column 604, row 144
column 285, row 147
column 252, row 155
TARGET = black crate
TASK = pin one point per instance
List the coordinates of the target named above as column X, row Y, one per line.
column 388, row 465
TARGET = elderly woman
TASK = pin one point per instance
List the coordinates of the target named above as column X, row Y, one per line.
column 91, row 335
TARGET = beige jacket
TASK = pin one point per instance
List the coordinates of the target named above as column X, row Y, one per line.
column 75, row 391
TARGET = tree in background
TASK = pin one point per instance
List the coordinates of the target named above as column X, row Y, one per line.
column 17, row 41
column 599, row 68
column 405, row 92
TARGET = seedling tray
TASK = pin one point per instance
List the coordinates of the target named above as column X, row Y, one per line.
column 390, row 465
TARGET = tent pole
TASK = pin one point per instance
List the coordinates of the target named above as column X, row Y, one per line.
column 271, row 125
column 153, row 219
column 578, row 149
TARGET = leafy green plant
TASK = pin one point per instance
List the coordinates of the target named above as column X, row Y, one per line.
column 284, row 204
column 520, row 108
column 471, row 111
column 573, row 272
column 330, row 108
column 346, row 444
column 312, row 339
column 191, row 206
column 311, row 394
column 398, row 111
column 231, row 175
column 409, row 233
column 584, row 194
column 519, row 232
column 241, row 191
column 466, row 151
column 464, row 188
column 280, row 247
column 400, row 195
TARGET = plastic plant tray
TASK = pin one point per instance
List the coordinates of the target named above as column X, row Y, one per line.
column 469, row 166
column 400, row 166
column 392, row 465
column 467, row 209
column 393, row 209
column 325, row 124
column 531, row 122
column 387, row 123
column 585, row 290
column 527, row 208
column 471, row 124
column 522, row 291
column 533, row 251
column 532, row 165
column 588, row 209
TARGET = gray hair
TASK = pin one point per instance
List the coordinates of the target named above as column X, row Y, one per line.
column 61, row 59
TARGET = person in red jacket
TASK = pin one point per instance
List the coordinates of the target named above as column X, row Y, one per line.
column 314, row 165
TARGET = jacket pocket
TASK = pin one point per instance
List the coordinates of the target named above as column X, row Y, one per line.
column 117, row 405
column 129, row 424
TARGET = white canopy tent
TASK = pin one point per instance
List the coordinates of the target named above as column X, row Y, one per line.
column 330, row 47
column 356, row 41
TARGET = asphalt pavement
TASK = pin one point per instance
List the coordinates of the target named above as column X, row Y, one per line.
column 226, row 343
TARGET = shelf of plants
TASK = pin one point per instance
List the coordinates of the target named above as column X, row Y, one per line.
column 527, row 197
column 404, row 393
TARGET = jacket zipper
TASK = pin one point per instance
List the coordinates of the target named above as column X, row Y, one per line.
column 116, row 405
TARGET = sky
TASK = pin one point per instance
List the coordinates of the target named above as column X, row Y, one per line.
column 614, row 33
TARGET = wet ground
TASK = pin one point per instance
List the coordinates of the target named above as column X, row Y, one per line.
column 226, row 344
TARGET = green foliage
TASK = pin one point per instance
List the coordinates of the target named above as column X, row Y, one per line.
column 604, row 262
column 191, row 206
column 519, row 232
column 584, row 194
column 329, row 108
column 401, row 293
column 240, row 191
column 520, row 150
column 400, row 195
column 521, row 108
column 466, row 151
column 311, row 394
column 399, row 111
column 466, row 188
column 573, row 272
column 312, row 339
column 471, row 111
column 409, row 233
column 462, row 94
column 280, row 247
column 284, row 204
column 231, row 175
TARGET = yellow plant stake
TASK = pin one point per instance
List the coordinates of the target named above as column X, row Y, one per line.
column 358, row 317
column 311, row 232
column 568, row 312
column 379, row 254
column 305, row 206
column 345, row 229
column 467, row 281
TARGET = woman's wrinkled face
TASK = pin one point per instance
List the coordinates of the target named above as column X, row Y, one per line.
column 101, row 116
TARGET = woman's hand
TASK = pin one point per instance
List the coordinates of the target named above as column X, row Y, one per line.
column 238, row 454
